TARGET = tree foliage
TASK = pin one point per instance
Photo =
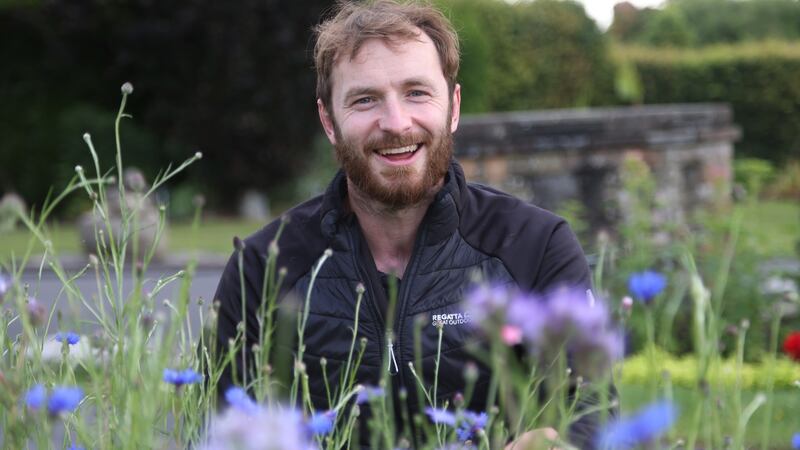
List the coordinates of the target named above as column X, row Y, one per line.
column 705, row 22
column 526, row 55
column 231, row 79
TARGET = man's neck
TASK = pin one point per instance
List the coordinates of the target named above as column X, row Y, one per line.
column 390, row 232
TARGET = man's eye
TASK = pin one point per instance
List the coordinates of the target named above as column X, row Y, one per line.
column 363, row 101
column 417, row 93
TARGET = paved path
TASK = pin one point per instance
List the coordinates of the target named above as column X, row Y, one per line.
column 47, row 288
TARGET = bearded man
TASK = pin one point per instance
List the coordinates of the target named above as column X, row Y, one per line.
column 389, row 102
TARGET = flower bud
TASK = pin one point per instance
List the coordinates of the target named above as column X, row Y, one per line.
column 458, row 400
column 127, row 88
column 238, row 244
column 627, row 303
column 198, row 155
column 470, row 372
column 360, row 289
column 37, row 313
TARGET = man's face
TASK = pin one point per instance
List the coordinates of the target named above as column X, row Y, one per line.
column 391, row 121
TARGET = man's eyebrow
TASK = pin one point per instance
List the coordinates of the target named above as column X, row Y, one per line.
column 418, row 82
column 360, row 90
column 365, row 90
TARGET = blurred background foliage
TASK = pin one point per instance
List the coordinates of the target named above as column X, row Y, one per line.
column 235, row 80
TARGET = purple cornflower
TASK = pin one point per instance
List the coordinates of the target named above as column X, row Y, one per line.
column 64, row 399
column 564, row 319
column 484, row 301
column 5, row 285
column 238, row 398
column 35, row 396
column 645, row 286
column 71, row 337
column 796, row 441
column 322, row 423
column 272, row 428
column 645, row 426
column 574, row 321
column 368, row 393
column 181, row 377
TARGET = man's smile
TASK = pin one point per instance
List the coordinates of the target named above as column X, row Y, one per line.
column 399, row 154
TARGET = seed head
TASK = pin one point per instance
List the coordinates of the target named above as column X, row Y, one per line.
column 198, row 155
column 127, row 88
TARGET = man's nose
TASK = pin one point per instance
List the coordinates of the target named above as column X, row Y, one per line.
column 396, row 117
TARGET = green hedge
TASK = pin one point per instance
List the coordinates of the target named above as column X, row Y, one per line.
column 529, row 55
column 683, row 371
column 761, row 81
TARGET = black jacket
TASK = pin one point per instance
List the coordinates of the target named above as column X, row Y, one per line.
column 468, row 227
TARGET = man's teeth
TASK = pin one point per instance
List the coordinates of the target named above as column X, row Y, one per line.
column 395, row 151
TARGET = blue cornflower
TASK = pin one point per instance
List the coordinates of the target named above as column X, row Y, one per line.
column 368, row 393
column 467, row 423
column 322, row 423
column 796, row 441
column 238, row 398
column 76, row 447
column 71, row 337
column 35, row 397
column 181, row 377
column 441, row 416
column 64, row 399
column 644, row 286
column 643, row 427
column 470, row 424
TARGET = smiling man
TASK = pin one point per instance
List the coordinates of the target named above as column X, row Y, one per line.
column 389, row 102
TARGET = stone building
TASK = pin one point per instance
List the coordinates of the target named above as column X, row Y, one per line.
column 550, row 157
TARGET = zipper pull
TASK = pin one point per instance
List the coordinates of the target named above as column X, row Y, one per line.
column 392, row 360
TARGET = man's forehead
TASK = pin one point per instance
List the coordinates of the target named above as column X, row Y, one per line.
column 376, row 48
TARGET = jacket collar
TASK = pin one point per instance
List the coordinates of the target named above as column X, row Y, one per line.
column 440, row 221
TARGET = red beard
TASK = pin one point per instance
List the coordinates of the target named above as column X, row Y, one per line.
column 398, row 190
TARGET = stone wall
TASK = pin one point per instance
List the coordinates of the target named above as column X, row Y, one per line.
column 550, row 157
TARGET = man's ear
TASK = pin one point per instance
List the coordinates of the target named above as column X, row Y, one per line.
column 326, row 120
column 455, row 112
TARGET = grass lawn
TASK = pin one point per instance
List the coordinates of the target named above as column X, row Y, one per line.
column 214, row 236
column 773, row 227
column 785, row 414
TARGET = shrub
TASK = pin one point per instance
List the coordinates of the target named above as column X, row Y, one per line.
column 759, row 80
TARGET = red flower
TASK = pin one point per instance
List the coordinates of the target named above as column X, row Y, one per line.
column 791, row 346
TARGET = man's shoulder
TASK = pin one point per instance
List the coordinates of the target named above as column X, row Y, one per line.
column 487, row 207
column 536, row 246
column 298, row 223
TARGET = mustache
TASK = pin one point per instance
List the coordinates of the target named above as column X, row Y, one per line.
column 391, row 140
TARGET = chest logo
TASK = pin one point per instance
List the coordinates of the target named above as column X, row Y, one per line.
column 451, row 319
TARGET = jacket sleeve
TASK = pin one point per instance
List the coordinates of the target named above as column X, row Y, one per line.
column 563, row 262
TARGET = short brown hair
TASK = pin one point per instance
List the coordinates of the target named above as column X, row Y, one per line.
column 391, row 21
